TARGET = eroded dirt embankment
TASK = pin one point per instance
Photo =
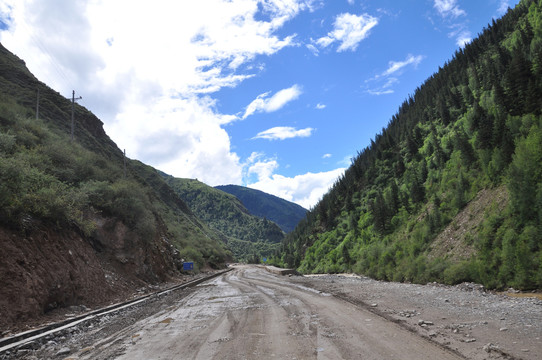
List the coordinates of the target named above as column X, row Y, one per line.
column 43, row 270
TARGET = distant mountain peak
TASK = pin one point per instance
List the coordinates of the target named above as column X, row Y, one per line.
column 284, row 213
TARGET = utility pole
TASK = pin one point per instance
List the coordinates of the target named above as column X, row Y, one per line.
column 38, row 106
column 125, row 163
column 73, row 108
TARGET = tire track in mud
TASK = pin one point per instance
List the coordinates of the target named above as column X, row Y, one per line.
column 281, row 332
column 306, row 321
column 330, row 341
column 338, row 324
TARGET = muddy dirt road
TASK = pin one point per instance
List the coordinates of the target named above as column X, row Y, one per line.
column 249, row 313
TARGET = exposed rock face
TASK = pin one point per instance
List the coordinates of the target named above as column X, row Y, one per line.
column 126, row 253
column 43, row 269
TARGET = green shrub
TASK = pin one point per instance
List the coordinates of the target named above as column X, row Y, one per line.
column 7, row 143
column 191, row 254
column 459, row 272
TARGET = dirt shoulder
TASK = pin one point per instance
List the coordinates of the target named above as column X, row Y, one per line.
column 465, row 318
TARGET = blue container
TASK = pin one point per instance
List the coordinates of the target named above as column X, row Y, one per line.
column 188, row 266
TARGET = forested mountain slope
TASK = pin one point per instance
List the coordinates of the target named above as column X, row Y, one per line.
column 249, row 237
column 451, row 189
column 284, row 213
column 76, row 227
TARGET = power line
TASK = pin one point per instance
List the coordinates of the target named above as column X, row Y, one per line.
column 55, row 65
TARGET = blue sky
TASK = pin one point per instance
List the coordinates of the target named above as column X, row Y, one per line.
column 277, row 95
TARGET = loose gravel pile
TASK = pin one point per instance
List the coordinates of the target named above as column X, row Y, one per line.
column 476, row 323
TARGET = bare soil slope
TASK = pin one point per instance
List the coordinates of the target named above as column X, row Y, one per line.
column 455, row 241
column 43, row 270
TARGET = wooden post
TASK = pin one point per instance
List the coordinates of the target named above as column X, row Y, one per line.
column 73, row 108
column 125, row 163
column 38, row 105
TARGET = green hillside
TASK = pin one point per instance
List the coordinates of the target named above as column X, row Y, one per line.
column 451, row 189
column 77, row 226
column 46, row 177
column 284, row 213
column 248, row 237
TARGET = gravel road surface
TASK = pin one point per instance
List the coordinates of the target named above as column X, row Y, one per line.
column 249, row 313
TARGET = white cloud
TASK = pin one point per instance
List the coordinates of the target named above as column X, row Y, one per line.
column 148, row 70
column 463, row 38
column 326, row 156
column 346, row 161
column 313, row 49
column 349, row 30
column 257, row 167
column 320, row 106
column 5, row 17
column 389, row 82
column 394, row 66
column 380, row 91
column 180, row 136
column 448, row 8
column 305, row 190
column 325, row 41
column 283, row 132
column 284, row 10
column 385, row 81
column 264, row 103
column 503, row 7
column 460, row 33
column 263, row 169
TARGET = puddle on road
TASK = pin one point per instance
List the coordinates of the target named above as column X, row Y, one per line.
column 346, row 275
column 524, row 295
